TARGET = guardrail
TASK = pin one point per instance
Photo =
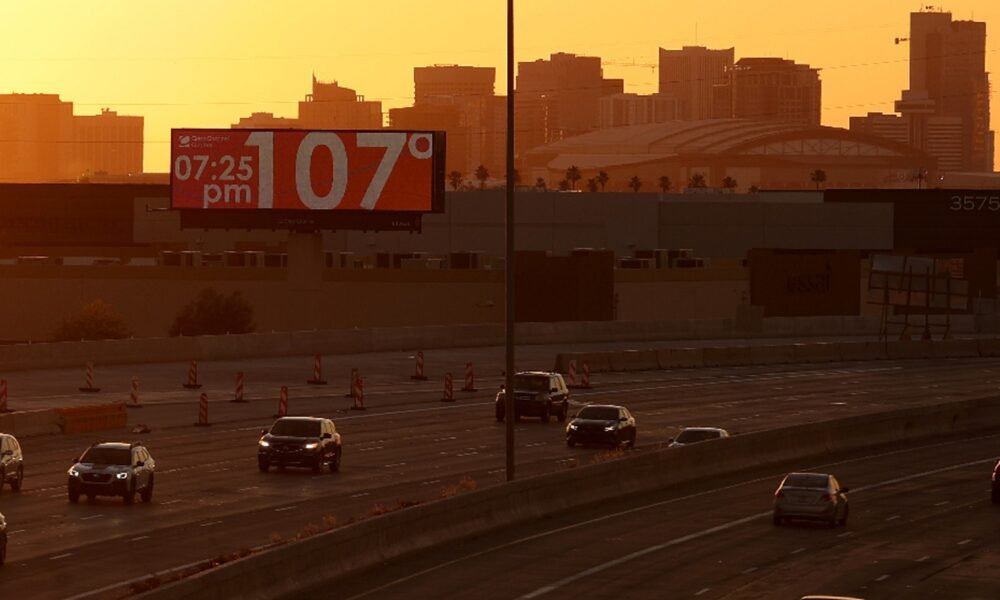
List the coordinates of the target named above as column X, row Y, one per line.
column 741, row 356
column 321, row 558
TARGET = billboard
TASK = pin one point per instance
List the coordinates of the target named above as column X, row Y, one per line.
column 381, row 179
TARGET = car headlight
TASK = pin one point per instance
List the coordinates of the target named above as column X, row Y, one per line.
column 610, row 428
column 122, row 475
column 573, row 427
column 312, row 445
column 265, row 444
column 74, row 473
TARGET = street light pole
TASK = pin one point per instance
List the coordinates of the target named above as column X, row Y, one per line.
column 509, row 259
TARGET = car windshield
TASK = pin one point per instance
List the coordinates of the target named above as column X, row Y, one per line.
column 598, row 413
column 805, row 480
column 296, row 428
column 533, row 383
column 690, row 436
column 107, row 456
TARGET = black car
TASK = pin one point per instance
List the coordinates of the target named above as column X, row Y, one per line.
column 995, row 484
column 536, row 394
column 602, row 424
column 112, row 469
column 11, row 462
column 3, row 540
column 302, row 442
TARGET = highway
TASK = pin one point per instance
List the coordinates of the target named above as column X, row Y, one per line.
column 210, row 500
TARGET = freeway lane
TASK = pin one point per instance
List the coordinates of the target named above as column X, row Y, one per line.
column 921, row 526
column 210, row 499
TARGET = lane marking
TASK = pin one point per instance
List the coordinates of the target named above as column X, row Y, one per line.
column 139, row 538
column 393, row 465
column 845, row 534
column 284, row 508
column 942, row 503
column 91, row 517
column 361, row 495
column 964, row 542
column 16, row 532
column 168, row 502
column 882, row 578
column 247, row 489
column 210, row 523
column 431, row 482
column 798, row 550
column 495, row 471
column 893, row 518
column 750, row 570
column 923, row 558
column 68, row 554
column 702, row 591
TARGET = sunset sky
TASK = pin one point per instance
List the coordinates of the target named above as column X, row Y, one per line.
column 206, row 63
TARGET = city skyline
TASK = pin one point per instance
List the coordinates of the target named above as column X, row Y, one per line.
column 110, row 61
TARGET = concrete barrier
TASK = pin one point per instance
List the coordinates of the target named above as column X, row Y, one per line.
column 680, row 358
column 816, row 353
column 26, row 423
column 727, row 356
column 772, row 355
column 989, row 347
column 598, row 362
column 861, row 351
column 902, row 350
column 98, row 417
column 633, row 360
column 956, row 349
column 323, row 557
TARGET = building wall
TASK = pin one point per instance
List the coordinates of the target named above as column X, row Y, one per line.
column 689, row 75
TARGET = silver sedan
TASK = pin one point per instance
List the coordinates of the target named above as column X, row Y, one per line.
column 810, row 496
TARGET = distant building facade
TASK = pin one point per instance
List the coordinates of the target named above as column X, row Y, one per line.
column 265, row 120
column 620, row 110
column 772, row 89
column 690, row 74
column 560, row 98
column 331, row 106
column 42, row 140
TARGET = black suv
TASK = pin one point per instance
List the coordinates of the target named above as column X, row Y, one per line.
column 11, row 462
column 602, row 424
column 302, row 442
column 536, row 394
column 112, row 469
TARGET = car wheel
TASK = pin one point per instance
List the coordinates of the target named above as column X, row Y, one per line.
column 16, row 484
column 129, row 495
column 545, row 414
column 147, row 494
column 263, row 465
column 335, row 463
column 777, row 520
column 74, row 496
column 631, row 442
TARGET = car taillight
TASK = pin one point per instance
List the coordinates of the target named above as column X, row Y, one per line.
column 825, row 497
column 779, row 494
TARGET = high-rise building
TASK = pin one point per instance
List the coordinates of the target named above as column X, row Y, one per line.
column 890, row 127
column 689, row 75
column 330, row 106
column 560, row 98
column 42, row 140
column 265, row 120
column 621, row 110
column 772, row 89
column 948, row 71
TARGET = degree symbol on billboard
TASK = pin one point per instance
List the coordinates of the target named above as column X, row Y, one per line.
column 421, row 145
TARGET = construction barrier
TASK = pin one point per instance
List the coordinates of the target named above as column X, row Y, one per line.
column 192, row 380
column 317, row 378
column 99, row 417
column 470, row 379
column 418, row 374
column 282, row 403
column 89, row 387
column 355, row 374
column 358, row 393
column 449, row 390
column 238, row 393
column 133, row 395
column 203, row 411
column 585, row 380
column 3, row 396
column 571, row 375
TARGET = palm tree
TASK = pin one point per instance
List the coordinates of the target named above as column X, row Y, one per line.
column 540, row 184
column 573, row 175
column 482, row 174
column 729, row 183
column 697, row 180
column 455, row 179
column 564, row 185
column 635, row 183
column 818, row 176
column 665, row 184
column 753, row 189
column 602, row 179
column 592, row 185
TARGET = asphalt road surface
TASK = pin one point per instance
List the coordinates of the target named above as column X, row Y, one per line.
column 210, row 500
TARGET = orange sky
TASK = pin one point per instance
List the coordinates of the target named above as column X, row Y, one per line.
column 206, row 63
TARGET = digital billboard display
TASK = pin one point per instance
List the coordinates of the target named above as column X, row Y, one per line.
column 263, row 177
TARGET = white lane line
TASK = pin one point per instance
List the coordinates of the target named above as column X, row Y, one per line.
column 798, row 550
column 56, row 496
column 210, row 523
column 91, row 517
column 893, row 518
column 68, row 554
column 964, row 542
column 431, row 482
column 881, row 578
column 247, row 489
column 393, row 465
column 495, row 471
column 473, row 453
column 139, row 538
column 942, row 503
column 702, row 591
column 923, row 558
column 219, row 470
column 169, row 502
column 284, row 508
column 845, row 534
column 361, row 495
column 16, row 532
column 750, row 570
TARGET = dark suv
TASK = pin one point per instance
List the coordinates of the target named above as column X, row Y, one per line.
column 536, row 394
column 11, row 462
column 302, row 442
column 112, row 469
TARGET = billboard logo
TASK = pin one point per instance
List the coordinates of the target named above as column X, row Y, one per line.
column 185, row 141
